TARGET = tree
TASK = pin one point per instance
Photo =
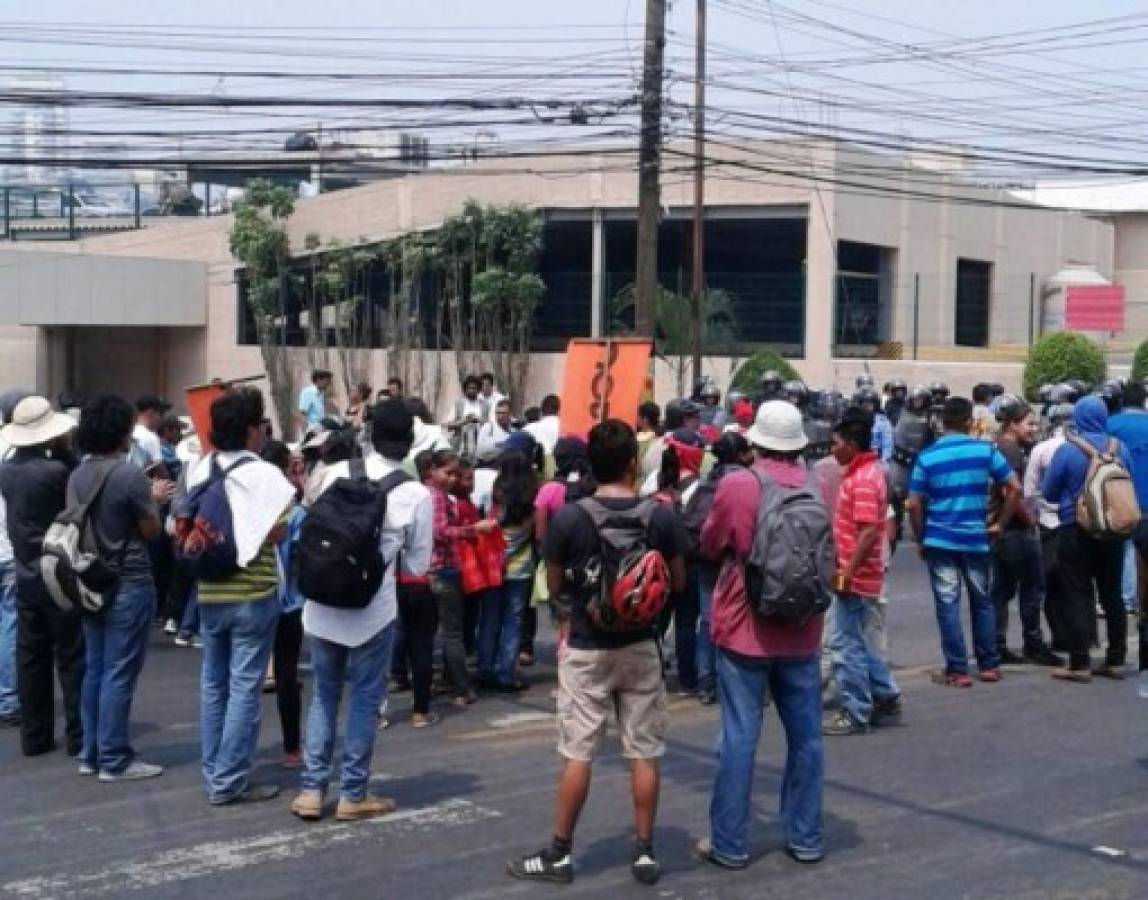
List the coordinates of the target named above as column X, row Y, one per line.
column 342, row 283
column 672, row 326
column 1062, row 356
column 1140, row 362
column 259, row 241
column 747, row 378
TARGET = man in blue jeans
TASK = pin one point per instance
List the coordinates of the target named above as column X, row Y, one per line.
column 869, row 694
column 351, row 648
column 948, row 506
column 238, row 614
column 1130, row 427
column 9, row 698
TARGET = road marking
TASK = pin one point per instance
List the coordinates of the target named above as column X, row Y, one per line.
column 1111, row 852
column 518, row 718
column 225, row 856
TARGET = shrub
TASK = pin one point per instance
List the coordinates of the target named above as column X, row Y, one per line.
column 1062, row 356
column 747, row 378
column 1140, row 362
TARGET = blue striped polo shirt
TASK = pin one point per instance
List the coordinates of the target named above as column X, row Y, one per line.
column 954, row 476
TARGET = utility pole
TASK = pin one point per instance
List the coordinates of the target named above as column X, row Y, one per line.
column 697, row 294
column 649, row 168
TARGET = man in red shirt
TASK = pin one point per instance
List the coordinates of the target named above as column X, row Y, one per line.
column 758, row 657
column 864, row 682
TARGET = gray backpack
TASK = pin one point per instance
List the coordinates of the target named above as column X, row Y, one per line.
column 789, row 572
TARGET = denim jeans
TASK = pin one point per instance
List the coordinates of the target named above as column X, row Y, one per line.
column 115, row 644
column 796, row 689
column 861, row 672
column 1016, row 571
column 707, row 580
column 237, row 639
column 451, row 618
column 947, row 569
column 189, row 622
column 9, row 698
column 364, row 671
column 1128, row 579
column 499, row 630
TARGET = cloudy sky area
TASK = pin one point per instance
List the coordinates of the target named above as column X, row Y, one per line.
column 1004, row 77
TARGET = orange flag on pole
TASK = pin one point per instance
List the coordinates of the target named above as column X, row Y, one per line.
column 604, row 379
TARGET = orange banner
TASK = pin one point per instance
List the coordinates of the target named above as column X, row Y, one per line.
column 604, row 379
column 199, row 400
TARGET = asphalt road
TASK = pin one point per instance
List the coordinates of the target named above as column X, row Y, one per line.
column 1026, row 789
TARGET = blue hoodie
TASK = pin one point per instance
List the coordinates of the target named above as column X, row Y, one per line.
column 1064, row 479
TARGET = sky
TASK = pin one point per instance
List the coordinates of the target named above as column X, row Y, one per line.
column 891, row 76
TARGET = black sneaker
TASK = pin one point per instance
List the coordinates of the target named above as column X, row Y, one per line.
column 644, row 867
column 884, row 710
column 1008, row 658
column 1042, row 656
column 545, row 865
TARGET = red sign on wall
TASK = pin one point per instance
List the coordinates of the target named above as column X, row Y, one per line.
column 1094, row 307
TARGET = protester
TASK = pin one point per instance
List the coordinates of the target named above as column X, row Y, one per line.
column 571, row 482
column 238, row 613
column 289, row 627
column 1130, row 427
column 146, row 451
column 441, row 478
column 500, row 623
column 493, row 434
column 605, row 676
column 1090, row 567
column 984, row 427
column 124, row 517
column 314, row 406
column 948, row 500
column 869, row 694
column 358, row 405
column 489, row 393
column 428, row 436
column 352, row 647
column 467, row 514
column 649, row 418
column 548, row 428
column 731, row 452
column 759, row 658
column 33, row 483
column 1016, row 551
column 9, row 693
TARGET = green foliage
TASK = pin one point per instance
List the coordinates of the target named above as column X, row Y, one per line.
column 1061, row 356
column 259, row 240
column 747, row 378
column 1140, row 362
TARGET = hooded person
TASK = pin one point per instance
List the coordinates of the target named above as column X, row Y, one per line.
column 1087, row 563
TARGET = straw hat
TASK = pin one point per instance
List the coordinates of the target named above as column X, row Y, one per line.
column 778, row 427
column 34, row 422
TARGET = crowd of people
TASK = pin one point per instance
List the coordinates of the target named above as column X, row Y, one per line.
column 398, row 554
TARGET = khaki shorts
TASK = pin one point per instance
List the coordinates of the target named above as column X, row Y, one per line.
column 623, row 684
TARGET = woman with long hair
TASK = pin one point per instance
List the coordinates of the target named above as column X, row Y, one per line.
column 502, row 608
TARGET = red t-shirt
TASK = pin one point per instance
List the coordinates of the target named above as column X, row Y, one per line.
column 863, row 499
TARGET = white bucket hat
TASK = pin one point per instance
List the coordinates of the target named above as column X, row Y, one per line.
column 34, row 422
column 778, row 427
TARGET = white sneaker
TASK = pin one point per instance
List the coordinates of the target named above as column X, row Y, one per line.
column 136, row 771
column 170, row 626
column 85, row 770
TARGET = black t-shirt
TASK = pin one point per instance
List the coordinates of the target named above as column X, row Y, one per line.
column 34, row 487
column 1018, row 460
column 572, row 542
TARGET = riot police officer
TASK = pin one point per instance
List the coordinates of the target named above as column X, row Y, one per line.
column 895, row 391
column 912, row 435
column 771, row 386
column 824, row 410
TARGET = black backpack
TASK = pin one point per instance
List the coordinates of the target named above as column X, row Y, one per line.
column 340, row 562
column 696, row 511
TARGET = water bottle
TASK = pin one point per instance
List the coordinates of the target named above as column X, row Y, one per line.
column 1142, row 684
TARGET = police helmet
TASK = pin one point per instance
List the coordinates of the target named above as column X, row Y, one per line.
column 939, row 391
column 920, row 398
column 771, row 380
column 1012, row 409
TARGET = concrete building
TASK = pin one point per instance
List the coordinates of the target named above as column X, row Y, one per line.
column 841, row 258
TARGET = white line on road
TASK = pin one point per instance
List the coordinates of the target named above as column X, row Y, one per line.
column 223, row 856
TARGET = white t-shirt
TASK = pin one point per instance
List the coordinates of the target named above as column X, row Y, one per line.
column 146, row 448
column 546, row 431
column 1048, row 514
column 408, row 527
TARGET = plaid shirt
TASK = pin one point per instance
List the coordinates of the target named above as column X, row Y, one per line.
column 447, row 532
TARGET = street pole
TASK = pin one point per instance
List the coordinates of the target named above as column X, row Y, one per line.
column 649, row 166
column 697, row 294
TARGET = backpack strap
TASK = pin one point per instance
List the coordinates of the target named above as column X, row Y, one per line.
column 358, row 467
column 392, row 481
column 85, row 506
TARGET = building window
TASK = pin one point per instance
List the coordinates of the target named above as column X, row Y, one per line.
column 974, row 293
column 565, row 266
column 863, row 311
